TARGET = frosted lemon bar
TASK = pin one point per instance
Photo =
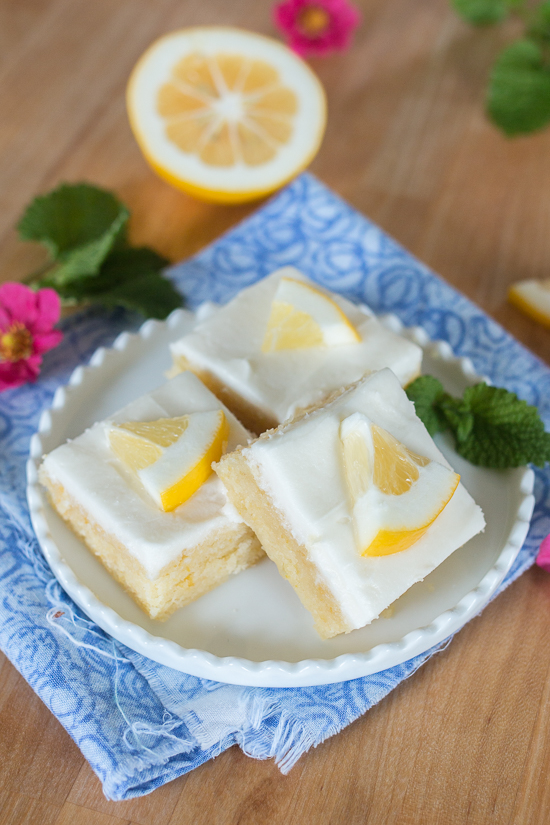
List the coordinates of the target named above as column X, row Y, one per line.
column 285, row 344
column 119, row 486
column 353, row 501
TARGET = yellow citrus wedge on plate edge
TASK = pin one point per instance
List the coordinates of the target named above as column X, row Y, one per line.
column 395, row 494
column 225, row 114
column 172, row 457
column 533, row 298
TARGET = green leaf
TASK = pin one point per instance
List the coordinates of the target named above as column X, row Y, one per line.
column 458, row 417
column 519, row 89
column 426, row 393
column 130, row 278
column 506, row 431
column 481, row 12
column 152, row 295
column 72, row 216
column 121, row 265
column 84, row 230
column 86, row 260
column 492, row 426
column 539, row 27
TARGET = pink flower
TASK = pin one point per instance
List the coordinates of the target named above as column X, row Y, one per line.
column 26, row 332
column 543, row 558
column 317, row 27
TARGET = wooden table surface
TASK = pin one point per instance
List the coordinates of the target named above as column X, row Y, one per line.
column 467, row 738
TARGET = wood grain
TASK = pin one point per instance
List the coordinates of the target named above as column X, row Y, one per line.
column 464, row 740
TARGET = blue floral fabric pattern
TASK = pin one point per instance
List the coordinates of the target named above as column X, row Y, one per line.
column 141, row 724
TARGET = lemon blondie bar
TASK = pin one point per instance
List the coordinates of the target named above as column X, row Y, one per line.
column 353, row 501
column 285, row 344
column 139, row 490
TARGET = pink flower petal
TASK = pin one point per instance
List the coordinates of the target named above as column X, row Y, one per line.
column 285, row 16
column 19, row 302
column 543, row 558
column 33, row 364
column 5, row 319
column 343, row 19
column 19, row 372
column 49, row 310
column 38, row 312
column 47, row 340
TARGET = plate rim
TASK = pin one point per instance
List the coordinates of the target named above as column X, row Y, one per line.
column 269, row 672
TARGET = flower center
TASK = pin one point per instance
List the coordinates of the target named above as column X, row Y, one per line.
column 15, row 343
column 313, row 21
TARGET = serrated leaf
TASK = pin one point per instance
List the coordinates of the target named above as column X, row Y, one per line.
column 458, row 416
column 426, row 392
column 71, row 216
column 492, row 426
column 501, row 406
column 129, row 278
column 120, row 266
column 501, row 450
column 86, row 261
column 84, row 229
column 507, row 432
column 539, row 27
column 481, row 12
column 518, row 99
column 152, row 295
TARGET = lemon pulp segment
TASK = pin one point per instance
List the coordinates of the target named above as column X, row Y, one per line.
column 396, row 468
column 302, row 317
column 395, row 493
column 172, row 457
column 227, row 108
column 139, row 444
column 225, row 114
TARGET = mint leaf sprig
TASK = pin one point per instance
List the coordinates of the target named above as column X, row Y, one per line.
column 491, row 426
column 518, row 94
column 84, row 230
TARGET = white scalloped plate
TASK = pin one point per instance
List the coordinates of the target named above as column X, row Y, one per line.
column 253, row 630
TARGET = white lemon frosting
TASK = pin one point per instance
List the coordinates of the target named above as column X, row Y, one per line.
column 113, row 496
column 228, row 344
column 300, row 467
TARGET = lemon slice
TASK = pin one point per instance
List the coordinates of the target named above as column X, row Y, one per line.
column 533, row 298
column 225, row 114
column 172, row 457
column 395, row 493
column 302, row 317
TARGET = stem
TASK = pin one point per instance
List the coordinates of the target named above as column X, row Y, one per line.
column 38, row 274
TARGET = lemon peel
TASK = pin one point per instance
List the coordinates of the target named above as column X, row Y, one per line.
column 395, row 493
column 171, row 457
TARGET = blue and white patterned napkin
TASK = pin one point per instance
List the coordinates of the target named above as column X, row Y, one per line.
column 141, row 724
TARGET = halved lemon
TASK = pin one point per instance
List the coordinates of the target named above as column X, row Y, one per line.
column 395, row 493
column 302, row 317
column 225, row 114
column 172, row 457
column 533, row 298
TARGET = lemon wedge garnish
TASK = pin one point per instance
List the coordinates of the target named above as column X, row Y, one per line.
column 302, row 317
column 225, row 114
column 172, row 457
column 395, row 493
column 533, row 298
